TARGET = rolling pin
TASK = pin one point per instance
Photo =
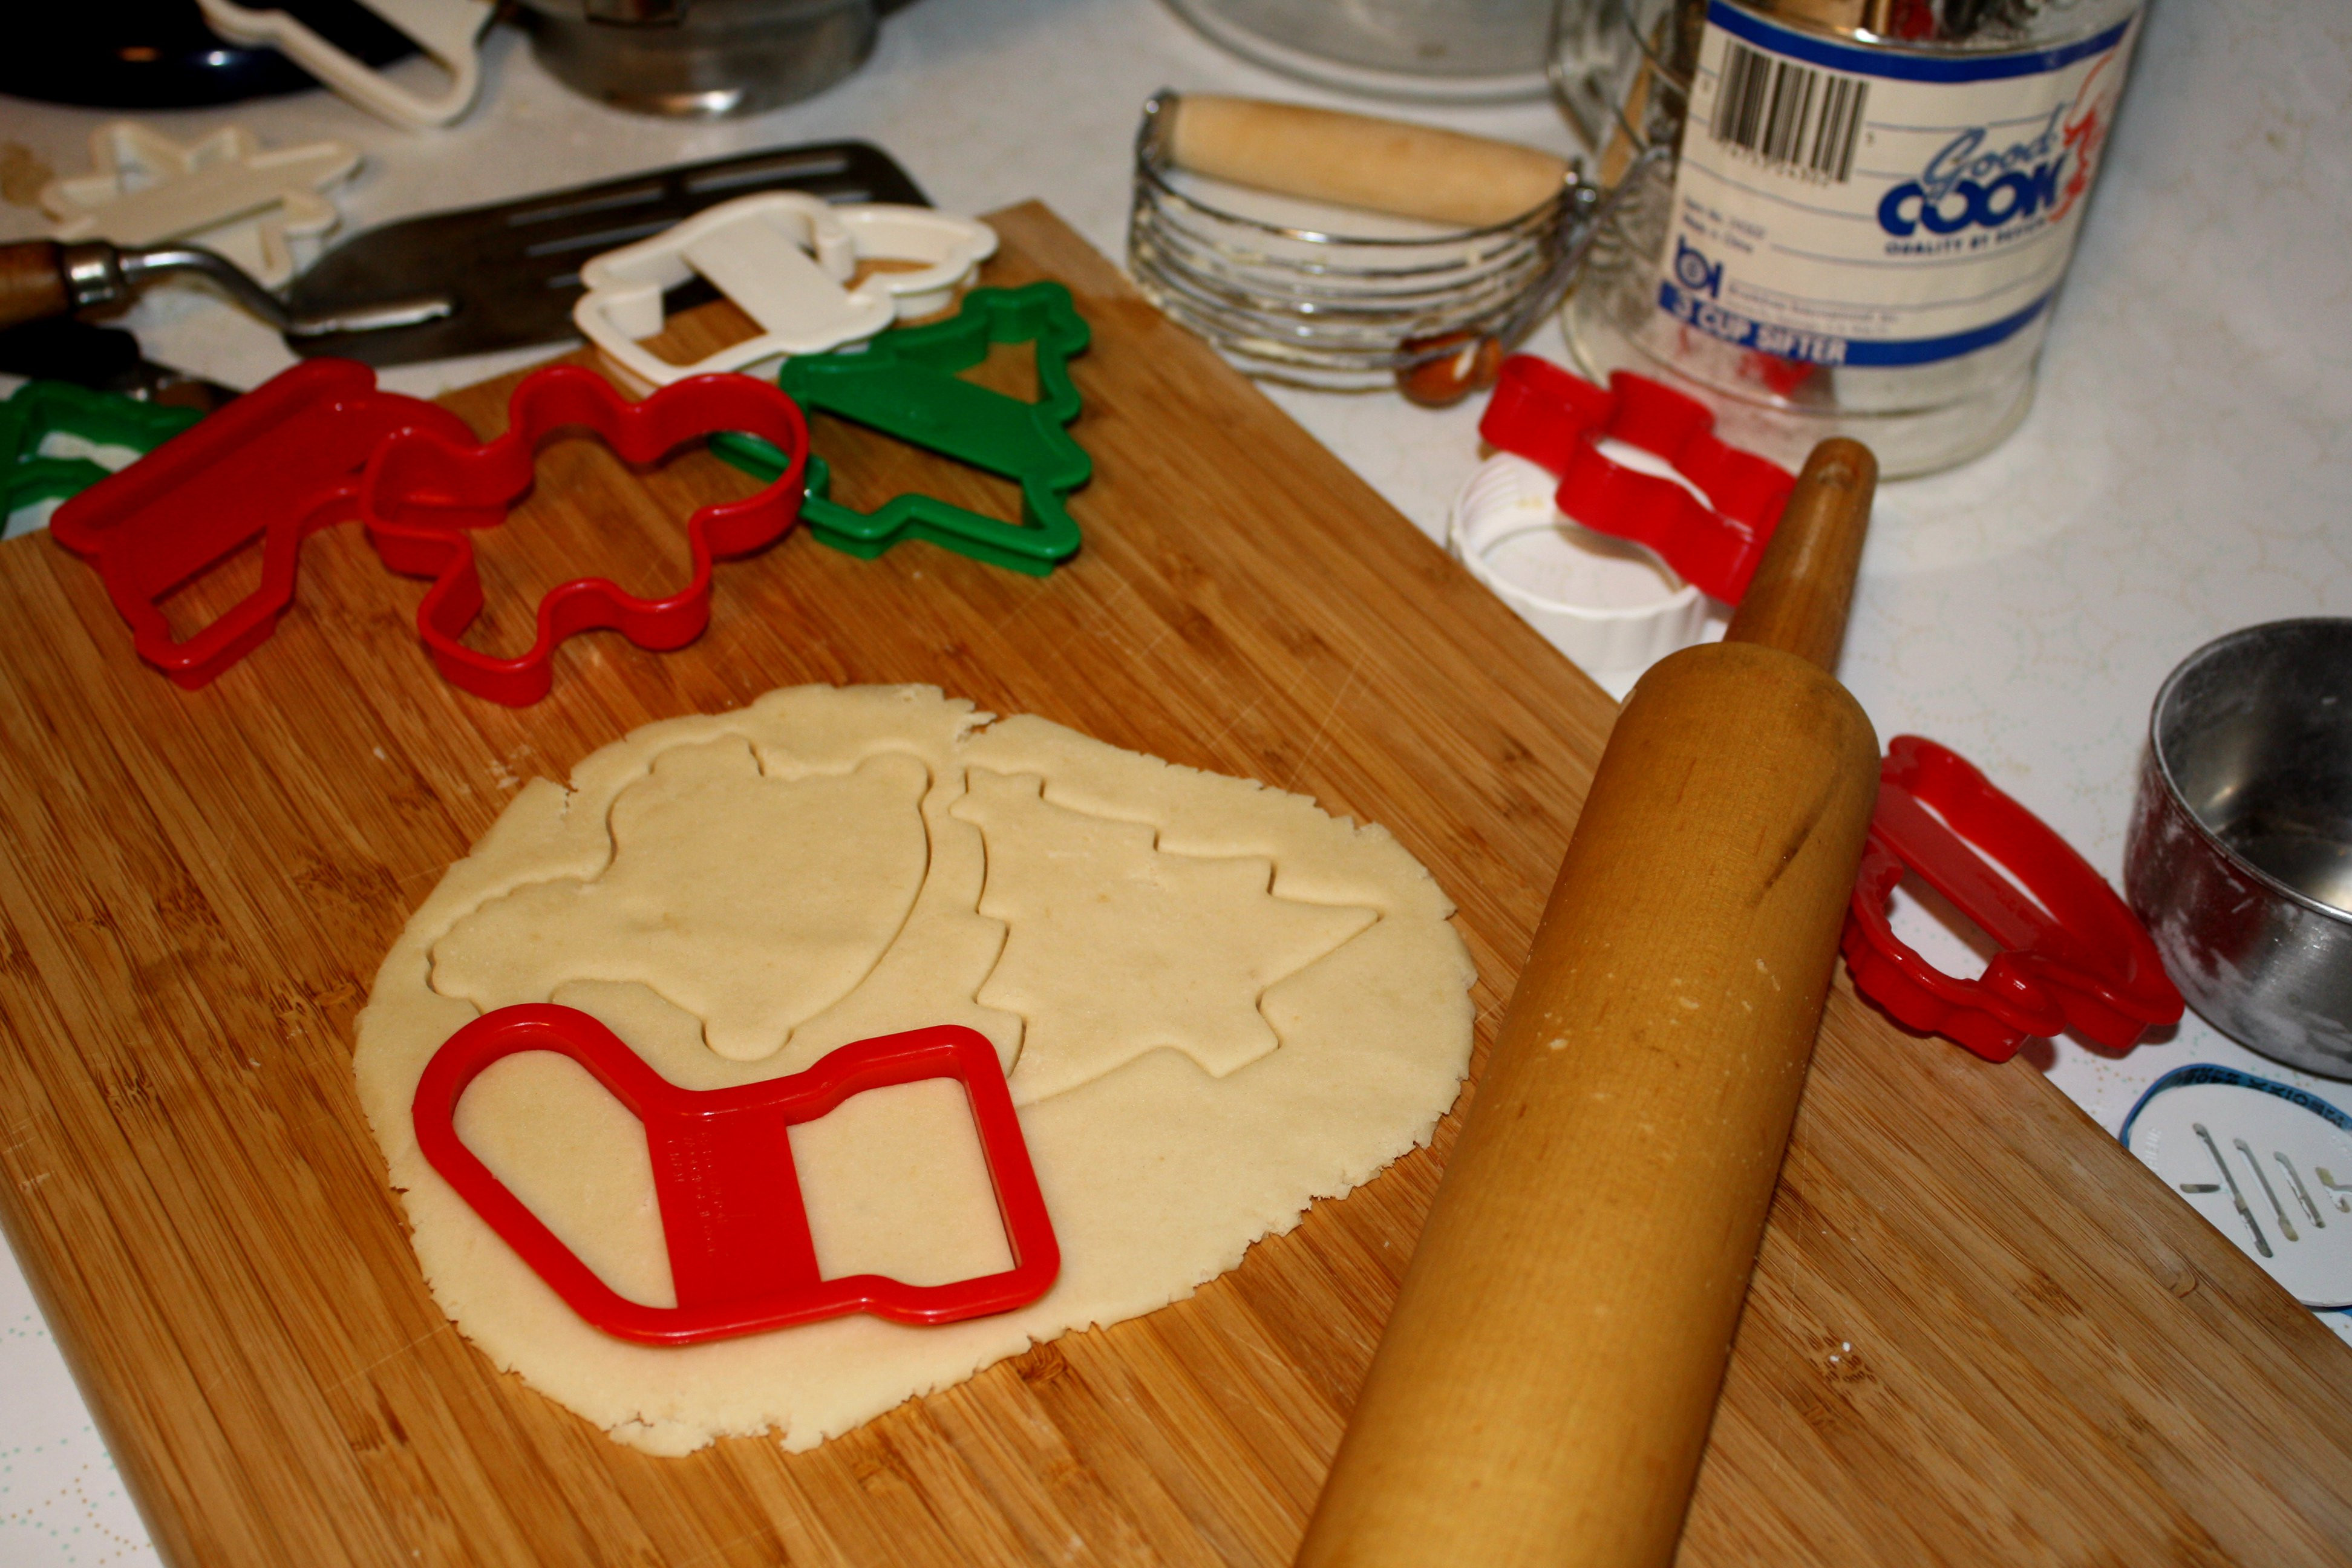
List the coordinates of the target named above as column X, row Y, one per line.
column 1542, row 1393
column 1358, row 161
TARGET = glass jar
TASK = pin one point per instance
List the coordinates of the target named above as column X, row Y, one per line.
column 1853, row 216
column 1446, row 51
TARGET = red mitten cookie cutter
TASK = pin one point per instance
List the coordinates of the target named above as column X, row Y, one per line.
column 739, row 1251
column 423, row 492
column 278, row 464
column 2074, row 955
column 1556, row 419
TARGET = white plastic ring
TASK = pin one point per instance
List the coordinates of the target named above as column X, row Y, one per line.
column 1607, row 604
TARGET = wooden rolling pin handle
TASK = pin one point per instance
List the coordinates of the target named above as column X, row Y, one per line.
column 1797, row 599
column 32, row 282
column 1542, row 1393
column 1359, row 161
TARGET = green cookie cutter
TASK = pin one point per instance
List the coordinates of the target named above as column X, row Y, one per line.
column 39, row 409
column 904, row 384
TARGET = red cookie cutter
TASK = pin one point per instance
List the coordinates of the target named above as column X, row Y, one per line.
column 2074, row 955
column 278, row 464
column 424, row 492
column 741, row 1255
column 1557, row 420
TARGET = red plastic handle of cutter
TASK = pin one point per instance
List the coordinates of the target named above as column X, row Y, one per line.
column 1557, row 420
column 2074, row 954
column 739, row 1250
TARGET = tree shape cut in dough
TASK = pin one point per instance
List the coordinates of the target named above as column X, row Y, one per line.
column 754, row 929
column 1173, row 949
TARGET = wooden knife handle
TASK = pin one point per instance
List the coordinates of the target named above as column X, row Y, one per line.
column 1543, row 1391
column 32, row 282
column 1358, row 161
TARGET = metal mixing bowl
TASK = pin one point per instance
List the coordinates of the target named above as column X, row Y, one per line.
column 701, row 58
column 2240, row 858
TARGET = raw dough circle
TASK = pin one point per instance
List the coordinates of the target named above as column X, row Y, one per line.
column 1216, row 1003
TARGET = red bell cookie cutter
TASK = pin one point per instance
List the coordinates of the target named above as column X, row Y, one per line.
column 741, row 1255
column 2074, row 954
column 277, row 465
column 424, row 492
column 1556, row 419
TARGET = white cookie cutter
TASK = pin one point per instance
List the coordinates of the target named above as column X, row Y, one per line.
column 449, row 31
column 784, row 258
column 1607, row 604
column 247, row 204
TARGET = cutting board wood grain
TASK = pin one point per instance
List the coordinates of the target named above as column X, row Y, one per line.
column 1980, row 1332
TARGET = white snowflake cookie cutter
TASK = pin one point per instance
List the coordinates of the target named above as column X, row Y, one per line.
column 786, row 259
column 221, row 190
column 448, row 31
column 1607, row 604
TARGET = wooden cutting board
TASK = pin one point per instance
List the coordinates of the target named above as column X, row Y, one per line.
column 1980, row 1331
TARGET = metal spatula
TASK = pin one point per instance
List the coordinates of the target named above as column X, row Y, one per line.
column 511, row 270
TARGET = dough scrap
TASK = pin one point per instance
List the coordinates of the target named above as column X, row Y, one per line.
column 678, row 891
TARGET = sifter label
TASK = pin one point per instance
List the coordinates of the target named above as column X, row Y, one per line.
column 1840, row 205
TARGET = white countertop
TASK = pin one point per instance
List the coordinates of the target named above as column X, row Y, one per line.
column 2187, row 468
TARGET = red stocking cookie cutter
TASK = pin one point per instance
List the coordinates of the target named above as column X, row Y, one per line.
column 423, row 492
column 739, row 1251
column 277, row 465
column 2074, row 954
column 1556, row 419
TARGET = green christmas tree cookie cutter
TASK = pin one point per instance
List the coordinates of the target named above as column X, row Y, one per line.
column 39, row 409
column 904, row 384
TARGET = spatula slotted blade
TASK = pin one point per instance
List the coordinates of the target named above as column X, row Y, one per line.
column 513, row 268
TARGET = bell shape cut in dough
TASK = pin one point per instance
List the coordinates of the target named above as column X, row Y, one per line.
column 752, row 902
column 1216, row 1003
column 1116, row 947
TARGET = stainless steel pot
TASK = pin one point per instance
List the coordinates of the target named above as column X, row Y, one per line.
column 2239, row 855
column 701, row 58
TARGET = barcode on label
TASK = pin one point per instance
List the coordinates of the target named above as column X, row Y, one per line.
column 1787, row 113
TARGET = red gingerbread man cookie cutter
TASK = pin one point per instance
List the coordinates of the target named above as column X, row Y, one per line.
column 422, row 494
column 741, row 1255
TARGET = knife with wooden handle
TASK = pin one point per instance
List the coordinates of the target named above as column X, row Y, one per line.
column 1542, row 1393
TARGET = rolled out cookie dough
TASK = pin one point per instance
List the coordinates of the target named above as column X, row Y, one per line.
column 1216, row 1003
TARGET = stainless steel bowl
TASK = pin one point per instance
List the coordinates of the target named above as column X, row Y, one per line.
column 2240, row 858
column 701, row 58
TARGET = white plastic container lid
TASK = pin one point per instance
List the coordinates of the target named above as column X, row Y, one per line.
column 2267, row 1165
column 1608, row 605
